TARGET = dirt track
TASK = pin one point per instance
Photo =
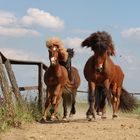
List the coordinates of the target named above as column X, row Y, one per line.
column 126, row 127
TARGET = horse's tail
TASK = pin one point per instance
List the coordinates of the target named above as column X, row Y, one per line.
column 128, row 102
column 68, row 96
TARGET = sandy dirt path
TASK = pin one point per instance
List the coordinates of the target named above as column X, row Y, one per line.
column 126, row 127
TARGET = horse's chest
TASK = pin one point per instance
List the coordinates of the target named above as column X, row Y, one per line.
column 98, row 77
column 52, row 80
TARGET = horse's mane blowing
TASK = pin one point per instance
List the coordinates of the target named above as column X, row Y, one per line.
column 100, row 40
column 54, row 41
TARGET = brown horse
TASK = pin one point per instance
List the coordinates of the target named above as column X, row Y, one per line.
column 100, row 71
column 58, row 85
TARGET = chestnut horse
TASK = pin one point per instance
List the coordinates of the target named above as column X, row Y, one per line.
column 100, row 71
column 58, row 85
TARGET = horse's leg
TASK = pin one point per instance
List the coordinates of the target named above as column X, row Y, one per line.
column 91, row 99
column 47, row 103
column 114, row 100
column 114, row 104
column 107, row 94
column 118, row 99
column 55, row 101
column 64, row 107
column 103, row 106
column 73, row 110
column 100, row 101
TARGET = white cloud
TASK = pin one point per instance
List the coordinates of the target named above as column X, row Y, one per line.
column 76, row 44
column 17, row 32
column 72, row 42
column 13, row 26
column 18, row 54
column 42, row 18
column 131, row 33
column 10, row 26
column 7, row 18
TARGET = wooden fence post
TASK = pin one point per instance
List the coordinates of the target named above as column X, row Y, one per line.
column 10, row 111
column 14, row 83
column 40, row 88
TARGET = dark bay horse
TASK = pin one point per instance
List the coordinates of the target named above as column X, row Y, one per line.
column 100, row 71
column 58, row 85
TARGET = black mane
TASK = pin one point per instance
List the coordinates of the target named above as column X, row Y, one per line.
column 70, row 52
column 100, row 41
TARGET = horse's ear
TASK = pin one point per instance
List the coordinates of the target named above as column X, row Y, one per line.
column 111, row 51
column 70, row 52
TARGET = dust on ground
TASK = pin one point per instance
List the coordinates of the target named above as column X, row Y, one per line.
column 125, row 127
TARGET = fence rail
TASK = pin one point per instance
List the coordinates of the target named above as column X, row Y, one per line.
column 16, row 89
column 136, row 93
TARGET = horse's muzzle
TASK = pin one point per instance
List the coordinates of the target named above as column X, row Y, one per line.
column 99, row 69
column 53, row 60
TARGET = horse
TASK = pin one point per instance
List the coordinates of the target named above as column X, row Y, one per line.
column 59, row 85
column 105, row 79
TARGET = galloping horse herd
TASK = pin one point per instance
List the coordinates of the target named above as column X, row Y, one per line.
column 105, row 79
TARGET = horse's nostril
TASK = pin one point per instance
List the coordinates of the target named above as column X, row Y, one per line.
column 99, row 69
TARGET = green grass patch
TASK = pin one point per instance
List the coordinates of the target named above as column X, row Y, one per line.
column 30, row 114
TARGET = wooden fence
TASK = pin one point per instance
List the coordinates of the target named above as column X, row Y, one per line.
column 16, row 89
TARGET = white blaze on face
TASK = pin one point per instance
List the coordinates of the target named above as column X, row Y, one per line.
column 54, row 48
column 53, row 60
column 100, row 65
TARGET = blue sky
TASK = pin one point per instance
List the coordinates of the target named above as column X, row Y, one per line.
column 26, row 25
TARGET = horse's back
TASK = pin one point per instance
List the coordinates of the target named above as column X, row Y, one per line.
column 75, row 76
column 119, row 75
column 114, row 72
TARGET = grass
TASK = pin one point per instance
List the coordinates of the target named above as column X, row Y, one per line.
column 30, row 114
column 137, row 111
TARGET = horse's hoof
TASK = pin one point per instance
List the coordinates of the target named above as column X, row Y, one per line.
column 71, row 115
column 64, row 118
column 43, row 120
column 99, row 113
column 114, row 116
column 103, row 117
column 53, row 118
column 90, row 118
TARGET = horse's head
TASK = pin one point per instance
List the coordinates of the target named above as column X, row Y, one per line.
column 53, row 55
column 56, row 50
column 100, row 59
column 102, row 45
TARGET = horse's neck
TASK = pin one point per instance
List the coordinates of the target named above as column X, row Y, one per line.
column 57, row 69
column 108, row 65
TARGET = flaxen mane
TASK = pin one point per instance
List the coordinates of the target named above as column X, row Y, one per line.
column 54, row 41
